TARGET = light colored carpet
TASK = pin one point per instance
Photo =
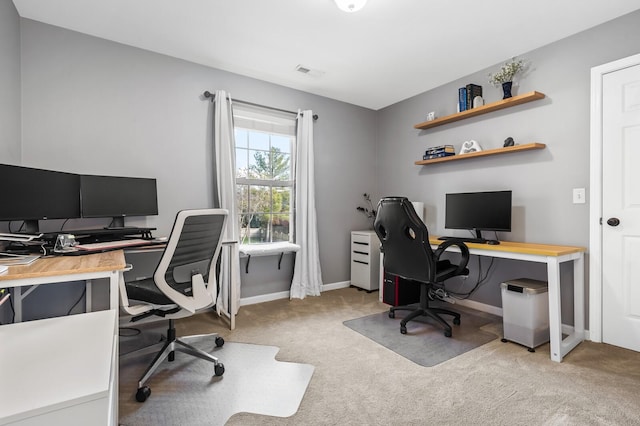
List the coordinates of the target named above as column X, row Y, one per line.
column 186, row 388
column 425, row 342
column 359, row 382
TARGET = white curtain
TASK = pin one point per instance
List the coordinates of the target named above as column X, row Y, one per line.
column 225, row 169
column 307, row 277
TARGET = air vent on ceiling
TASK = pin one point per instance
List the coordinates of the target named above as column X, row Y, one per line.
column 308, row 71
column 303, row 69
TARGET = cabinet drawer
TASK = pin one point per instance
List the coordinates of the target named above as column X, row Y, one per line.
column 359, row 275
column 360, row 249
column 361, row 239
column 360, row 258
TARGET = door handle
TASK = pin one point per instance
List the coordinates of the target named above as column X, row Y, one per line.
column 613, row 221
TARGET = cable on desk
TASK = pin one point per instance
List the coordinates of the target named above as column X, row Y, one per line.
column 481, row 280
column 84, row 290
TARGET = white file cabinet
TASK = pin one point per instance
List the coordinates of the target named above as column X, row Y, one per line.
column 365, row 260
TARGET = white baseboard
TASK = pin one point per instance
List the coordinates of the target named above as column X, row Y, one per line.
column 482, row 307
column 285, row 294
column 335, row 286
column 264, row 298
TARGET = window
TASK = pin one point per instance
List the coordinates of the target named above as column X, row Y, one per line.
column 265, row 143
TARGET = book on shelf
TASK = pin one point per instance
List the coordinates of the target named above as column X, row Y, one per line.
column 462, row 99
column 437, row 155
column 446, row 149
column 473, row 90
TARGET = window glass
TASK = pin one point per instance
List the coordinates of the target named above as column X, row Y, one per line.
column 264, row 175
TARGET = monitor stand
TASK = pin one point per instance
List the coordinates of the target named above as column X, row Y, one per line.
column 116, row 223
column 478, row 239
column 30, row 227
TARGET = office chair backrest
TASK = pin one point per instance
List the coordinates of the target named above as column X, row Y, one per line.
column 405, row 240
column 190, row 257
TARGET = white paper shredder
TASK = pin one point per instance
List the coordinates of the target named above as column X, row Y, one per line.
column 525, row 312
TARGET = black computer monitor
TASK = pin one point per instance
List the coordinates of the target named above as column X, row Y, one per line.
column 117, row 197
column 31, row 194
column 478, row 211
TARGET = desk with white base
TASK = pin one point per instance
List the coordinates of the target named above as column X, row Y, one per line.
column 43, row 351
column 59, row 371
column 553, row 256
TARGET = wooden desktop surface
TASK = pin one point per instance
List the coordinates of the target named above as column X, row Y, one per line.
column 65, row 265
column 517, row 247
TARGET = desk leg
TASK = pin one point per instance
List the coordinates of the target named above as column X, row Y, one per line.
column 559, row 346
column 88, row 285
column 17, row 304
column 114, row 283
column 555, row 314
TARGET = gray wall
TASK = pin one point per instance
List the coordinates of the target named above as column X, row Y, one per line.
column 95, row 106
column 9, row 83
column 10, row 98
column 541, row 181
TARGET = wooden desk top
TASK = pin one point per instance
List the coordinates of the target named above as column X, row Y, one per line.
column 524, row 248
column 65, row 265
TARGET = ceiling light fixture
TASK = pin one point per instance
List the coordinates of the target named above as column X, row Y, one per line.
column 350, row 5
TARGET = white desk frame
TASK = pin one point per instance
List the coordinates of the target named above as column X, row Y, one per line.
column 559, row 347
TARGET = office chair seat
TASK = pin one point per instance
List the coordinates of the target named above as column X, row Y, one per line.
column 183, row 284
column 408, row 254
column 148, row 291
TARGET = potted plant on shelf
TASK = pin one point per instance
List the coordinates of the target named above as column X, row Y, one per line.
column 504, row 77
column 368, row 210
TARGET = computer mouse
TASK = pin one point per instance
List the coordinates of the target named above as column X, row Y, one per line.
column 493, row 242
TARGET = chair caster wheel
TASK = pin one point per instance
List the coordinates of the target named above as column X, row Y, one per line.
column 403, row 329
column 392, row 314
column 456, row 321
column 143, row 393
column 219, row 369
column 219, row 342
column 447, row 333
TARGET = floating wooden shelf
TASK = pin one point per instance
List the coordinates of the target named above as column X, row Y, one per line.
column 494, row 106
column 516, row 148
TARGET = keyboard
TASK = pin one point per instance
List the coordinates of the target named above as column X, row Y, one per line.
column 107, row 245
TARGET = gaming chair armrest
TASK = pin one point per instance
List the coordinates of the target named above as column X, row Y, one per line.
column 464, row 251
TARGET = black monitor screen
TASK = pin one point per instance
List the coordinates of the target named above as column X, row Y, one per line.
column 489, row 211
column 32, row 194
column 111, row 196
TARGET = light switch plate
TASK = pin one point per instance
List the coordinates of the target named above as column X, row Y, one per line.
column 579, row 196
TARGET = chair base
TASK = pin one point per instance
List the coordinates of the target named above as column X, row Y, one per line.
column 169, row 347
column 423, row 309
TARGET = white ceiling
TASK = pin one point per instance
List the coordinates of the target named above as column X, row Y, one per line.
column 387, row 52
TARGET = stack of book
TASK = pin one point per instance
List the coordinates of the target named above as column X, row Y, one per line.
column 467, row 94
column 439, row 151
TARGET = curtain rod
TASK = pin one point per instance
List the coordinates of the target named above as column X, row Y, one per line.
column 208, row 94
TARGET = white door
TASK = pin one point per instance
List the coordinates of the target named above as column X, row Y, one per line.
column 621, row 208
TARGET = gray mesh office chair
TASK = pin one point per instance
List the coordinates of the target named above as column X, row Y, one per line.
column 183, row 284
column 408, row 254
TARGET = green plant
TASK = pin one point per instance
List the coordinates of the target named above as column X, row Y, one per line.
column 506, row 73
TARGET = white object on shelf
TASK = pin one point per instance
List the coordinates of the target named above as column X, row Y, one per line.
column 365, row 260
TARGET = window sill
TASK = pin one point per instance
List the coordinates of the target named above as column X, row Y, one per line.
column 267, row 249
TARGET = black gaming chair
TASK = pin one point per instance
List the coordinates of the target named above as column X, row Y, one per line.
column 408, row 254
